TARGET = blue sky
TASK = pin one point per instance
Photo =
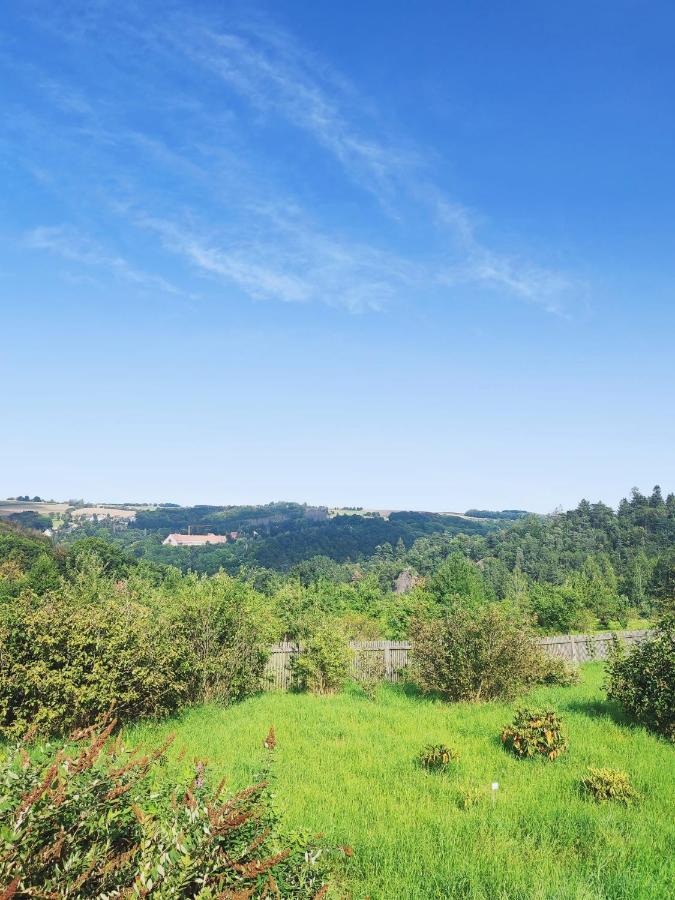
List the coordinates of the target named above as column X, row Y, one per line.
column 387, row 254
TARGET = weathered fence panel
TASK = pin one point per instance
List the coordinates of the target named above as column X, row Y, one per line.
column 580, row 648
column 575, row 648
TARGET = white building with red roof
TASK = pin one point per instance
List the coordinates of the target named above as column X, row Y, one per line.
column 194, row 540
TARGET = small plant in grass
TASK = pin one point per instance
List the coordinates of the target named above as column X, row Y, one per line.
column 535, row 733
column 609, row 784
column 470, row 797
column 437, row 757
column 270, row 741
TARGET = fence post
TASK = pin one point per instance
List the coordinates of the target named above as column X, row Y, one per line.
column 387, row 663
column 573, row 648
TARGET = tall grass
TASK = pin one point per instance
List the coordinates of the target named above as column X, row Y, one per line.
column 347, row 767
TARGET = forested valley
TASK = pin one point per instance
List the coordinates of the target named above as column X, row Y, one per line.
column 589, row 567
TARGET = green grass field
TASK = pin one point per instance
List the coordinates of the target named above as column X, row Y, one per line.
column 346, row 766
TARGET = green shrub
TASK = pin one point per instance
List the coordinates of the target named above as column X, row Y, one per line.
column 437, row 757
column 533, row 733
column 227, row 627
column 643, row 680
column 609, row 784
column 112, row 559
column 142, row 648
column 322, row 666
column 486, row 653
column 557, row 607
column 66, row 658
column 86, row 820
column 556, row 670
column 369, row 672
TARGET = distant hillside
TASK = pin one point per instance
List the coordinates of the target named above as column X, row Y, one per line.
column 275, row 535
column 223, row 519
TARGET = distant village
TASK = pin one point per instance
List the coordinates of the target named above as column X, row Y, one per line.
column 51, row 517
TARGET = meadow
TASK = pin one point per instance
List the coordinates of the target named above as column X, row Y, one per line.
column 346, row 766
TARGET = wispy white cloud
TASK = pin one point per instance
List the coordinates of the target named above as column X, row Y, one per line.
column 279, row 78
column 187, row 176
column 293, row 262
column 72, row 245
column 480, row 265
column 265, row 65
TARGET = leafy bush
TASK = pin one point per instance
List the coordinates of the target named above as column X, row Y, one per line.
column 369, row 672
column 142, row 647
column 322, row 665
column 556, row 670
column 111, row 558
column 437, row 757
column 69, row 656
column 643, row 680
column 483, row 654
column 227, row 627
column 85, row 820
column 609, row 784
column 535, row 732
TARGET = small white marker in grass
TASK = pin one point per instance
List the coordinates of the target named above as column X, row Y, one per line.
column 495, row 788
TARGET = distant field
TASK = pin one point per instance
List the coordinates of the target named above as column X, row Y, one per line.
column 111, row 512
column 346, row 767
column 8, row 507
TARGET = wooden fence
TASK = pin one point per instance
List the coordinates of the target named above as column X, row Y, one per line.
column 575, row 648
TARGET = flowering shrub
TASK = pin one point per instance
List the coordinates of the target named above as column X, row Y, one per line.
column 533, row 733
column 609, row 784
column 437, row 757
column 84, row 820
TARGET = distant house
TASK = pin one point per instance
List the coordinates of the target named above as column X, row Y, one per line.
column 194, row 540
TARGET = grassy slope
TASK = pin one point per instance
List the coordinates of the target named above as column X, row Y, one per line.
column 345, row 766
